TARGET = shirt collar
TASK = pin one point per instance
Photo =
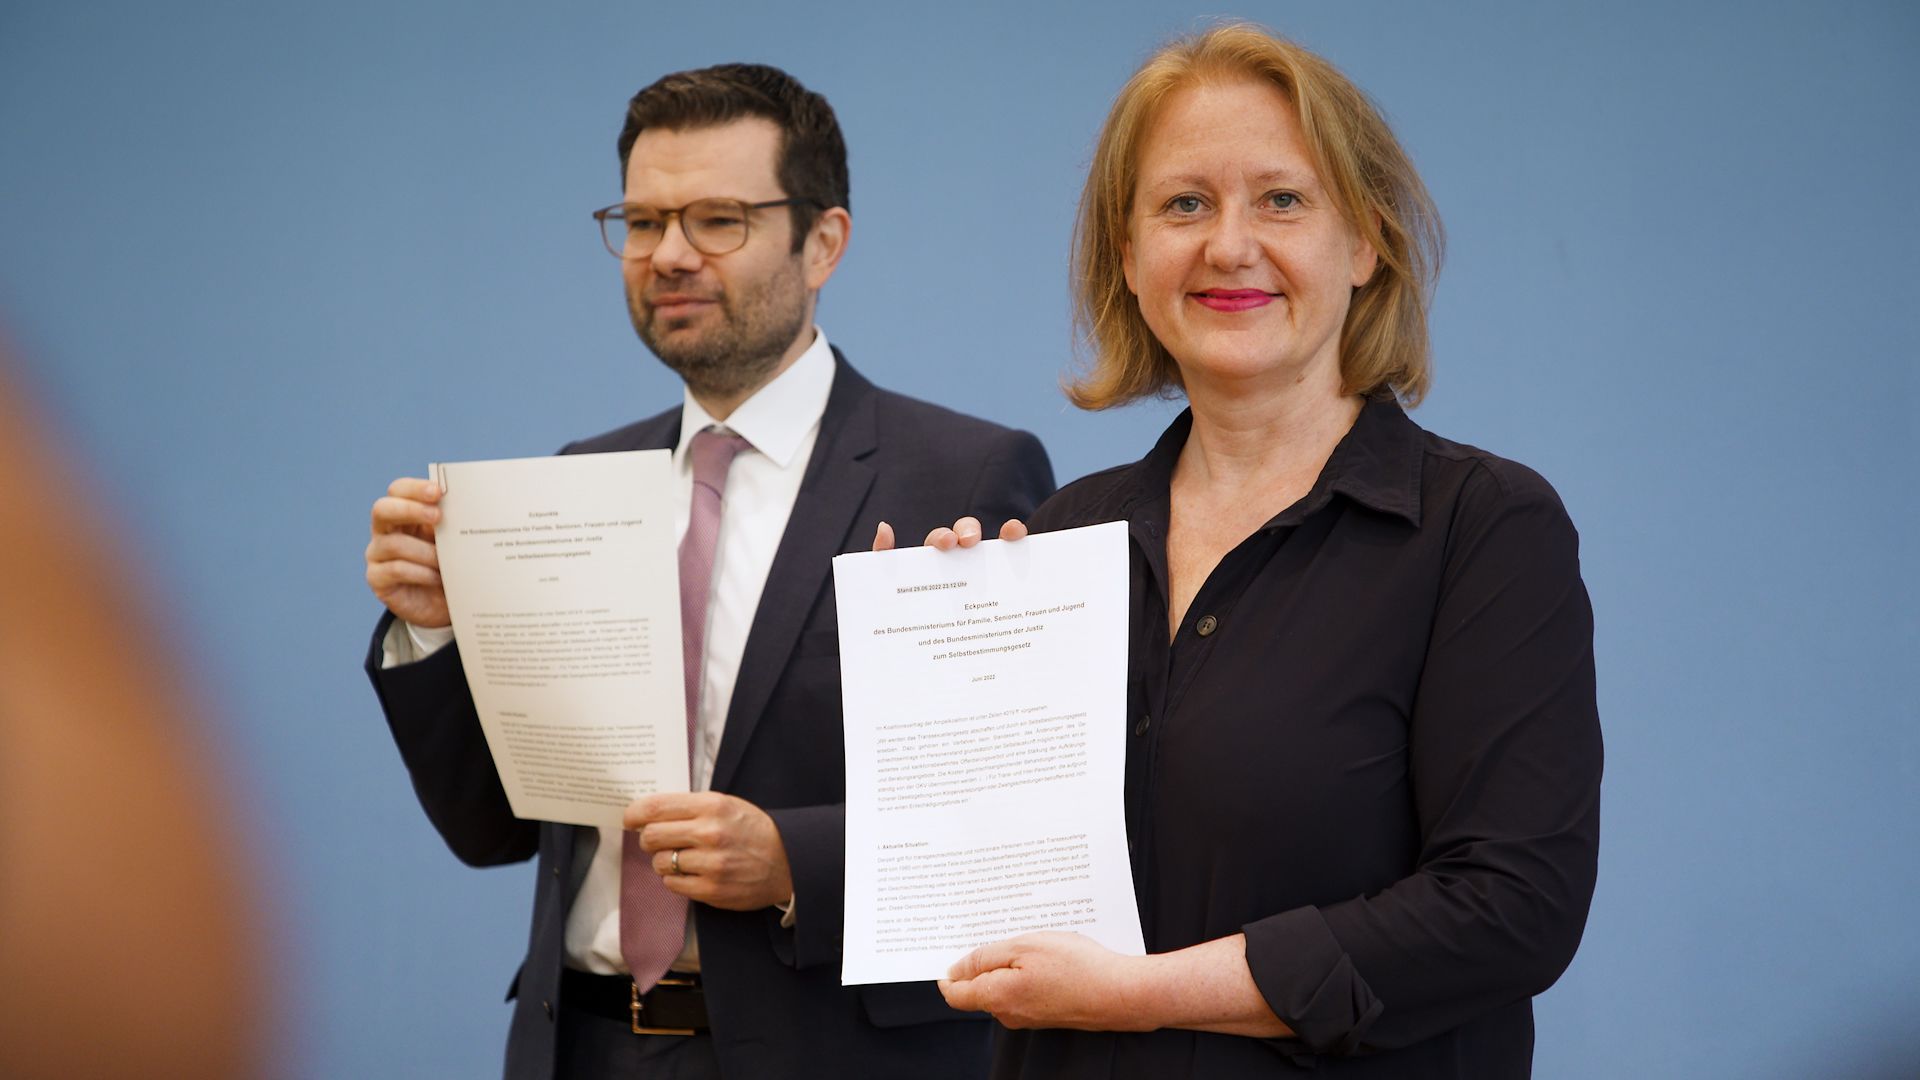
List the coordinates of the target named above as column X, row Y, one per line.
column 779, row 415
column 1376, row 464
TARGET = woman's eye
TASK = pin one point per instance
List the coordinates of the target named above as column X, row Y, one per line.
column 1283, row 200
column 1185, row 204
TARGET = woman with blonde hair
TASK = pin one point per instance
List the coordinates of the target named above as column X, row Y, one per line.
column 1364, row 754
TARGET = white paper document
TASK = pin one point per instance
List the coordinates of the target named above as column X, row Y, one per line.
column 985, row 701
column 564, row 585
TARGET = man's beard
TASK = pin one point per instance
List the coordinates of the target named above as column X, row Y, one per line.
column 737, row 353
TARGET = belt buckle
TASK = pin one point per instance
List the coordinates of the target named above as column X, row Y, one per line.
column 635, row 1007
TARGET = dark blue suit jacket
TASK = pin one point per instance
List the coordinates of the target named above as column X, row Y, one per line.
column 774, row 997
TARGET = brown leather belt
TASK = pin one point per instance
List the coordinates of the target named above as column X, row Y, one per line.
column 677, row 1006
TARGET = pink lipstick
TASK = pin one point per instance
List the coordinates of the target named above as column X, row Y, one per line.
column 1234, row 299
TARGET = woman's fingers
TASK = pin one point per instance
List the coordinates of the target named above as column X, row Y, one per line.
column 963, row 533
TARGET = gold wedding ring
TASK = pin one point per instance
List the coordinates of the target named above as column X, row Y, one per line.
column 674, row 862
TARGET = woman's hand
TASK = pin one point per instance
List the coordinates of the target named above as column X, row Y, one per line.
column 965, row 533
column 1063, row 980
column 1052, row 979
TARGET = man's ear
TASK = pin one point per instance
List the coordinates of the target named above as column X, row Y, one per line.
column 826, row 243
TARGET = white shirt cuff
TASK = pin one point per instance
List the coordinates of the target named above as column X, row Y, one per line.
column 413, row 644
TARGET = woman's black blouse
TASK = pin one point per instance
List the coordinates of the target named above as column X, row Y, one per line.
column 1373, row 747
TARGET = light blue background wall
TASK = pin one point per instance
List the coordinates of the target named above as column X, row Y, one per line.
column 261, row 261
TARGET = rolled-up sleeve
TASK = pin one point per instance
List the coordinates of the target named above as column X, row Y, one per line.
column 1504, row 755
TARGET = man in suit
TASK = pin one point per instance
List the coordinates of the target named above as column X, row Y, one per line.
column 734, row 216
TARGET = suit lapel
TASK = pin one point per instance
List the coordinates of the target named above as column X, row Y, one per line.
column 831, row 493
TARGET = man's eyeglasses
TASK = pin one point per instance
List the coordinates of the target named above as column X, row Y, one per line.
column 711, row 226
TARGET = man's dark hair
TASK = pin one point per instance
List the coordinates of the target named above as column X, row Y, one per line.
column 813, row 157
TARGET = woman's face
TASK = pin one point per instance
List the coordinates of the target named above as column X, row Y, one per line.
column 1242, row 265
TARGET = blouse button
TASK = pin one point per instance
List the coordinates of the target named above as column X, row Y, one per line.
column 1207, row 625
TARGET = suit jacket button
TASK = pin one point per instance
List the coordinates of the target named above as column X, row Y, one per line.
column 1145, row 723
column 548, row 1006
column 1207, row 625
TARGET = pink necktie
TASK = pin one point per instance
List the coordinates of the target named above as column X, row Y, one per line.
column 653, row 919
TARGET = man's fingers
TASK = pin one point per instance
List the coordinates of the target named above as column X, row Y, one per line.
column 702, row 889
column 668, row 806
column 967, row 531
column 382, row 576
column 402, row 547
column 687, row 866
column 883, row 537
column 413, row 487
column 1013, row 529
column 708, row 876
column 689, row 886
column 682, row 833
column 392, row 512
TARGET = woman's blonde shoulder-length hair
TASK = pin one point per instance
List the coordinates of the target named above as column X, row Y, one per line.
column 1383, row 345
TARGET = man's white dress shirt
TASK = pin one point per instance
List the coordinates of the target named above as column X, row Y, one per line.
column 781, row 423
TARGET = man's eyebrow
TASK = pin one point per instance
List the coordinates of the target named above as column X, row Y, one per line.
column 704, row 198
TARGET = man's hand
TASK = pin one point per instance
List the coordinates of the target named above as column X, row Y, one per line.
column 730, row 852
column 965, row 533
column 403, row 569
